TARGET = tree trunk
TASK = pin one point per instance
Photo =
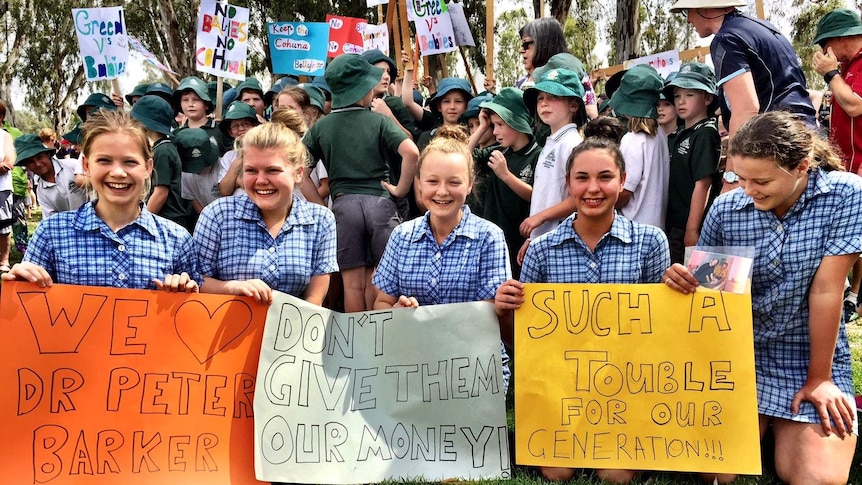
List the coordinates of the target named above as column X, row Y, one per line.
column 179, row 55
column 560, row 10
column 627, row 33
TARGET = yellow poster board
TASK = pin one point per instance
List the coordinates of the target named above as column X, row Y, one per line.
column 635, row 377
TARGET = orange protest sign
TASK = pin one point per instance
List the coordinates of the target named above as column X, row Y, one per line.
column 128, row 386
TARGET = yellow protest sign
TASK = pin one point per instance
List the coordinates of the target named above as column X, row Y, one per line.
column 635, row 377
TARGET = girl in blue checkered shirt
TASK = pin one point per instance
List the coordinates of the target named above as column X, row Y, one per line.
column 802, row 214
column 114, row 240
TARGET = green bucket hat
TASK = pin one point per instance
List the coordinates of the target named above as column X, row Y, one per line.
column 563, row 60
column 212, row 90
column 154, row 113
column 373, row 56
column 561, row 83
column 27, row 147
column 140, row 90
column 473, row 107
column 250, row 84
column 74, row 135
column 509, row 105
column 840, row 22
column 446, row 86
column 681, row 5
column 692, row 75
column 638, row 93
column 277, row 87
column 315, row 95
column 237, row 111
column 196, row 148
column 93, row 102
column 197, row 86
column 350, row 77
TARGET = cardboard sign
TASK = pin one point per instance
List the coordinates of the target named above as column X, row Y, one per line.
column 298, row 47
column 127, row 386
column 433, row 26
column 135, row 44
column 345, row 35
column 222, row 40
column 663, row 62
column 635, row 377
column 376, row 37
column 380, row 395
column 374, row 3
column 460, row 27
column 102, row 40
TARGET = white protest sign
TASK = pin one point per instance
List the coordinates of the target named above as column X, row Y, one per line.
column 135, row 44
column 374, row 3
column 433, row 26
column 460, row 27
column 663, row 62
column 222, row 39
column 380, row 395
column 102, row 39
column 376, row 37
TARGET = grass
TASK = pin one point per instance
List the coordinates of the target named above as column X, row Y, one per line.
column 529, row 476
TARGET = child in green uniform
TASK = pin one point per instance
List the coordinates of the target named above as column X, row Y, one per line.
column 694, row 156
column 354, row 145
column 511, row 163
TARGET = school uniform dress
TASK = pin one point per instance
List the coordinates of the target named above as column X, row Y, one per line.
column 824, row 221
column 549, row 188
column 235, row 244
column 468, row 266
column 78, row 248
column 647, row 177
column 629, row 253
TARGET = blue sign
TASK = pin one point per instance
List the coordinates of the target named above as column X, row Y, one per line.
column 298, row 48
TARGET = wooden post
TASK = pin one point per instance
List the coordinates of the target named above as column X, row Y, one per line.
column 759, row 7
column 218, row 101
column 395, row 25
column 489, row 40
column 541, row 9
column 443, row 69
column 467, row 69
column 405, row 27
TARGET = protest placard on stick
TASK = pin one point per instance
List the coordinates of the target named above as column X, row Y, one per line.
column 102, row 40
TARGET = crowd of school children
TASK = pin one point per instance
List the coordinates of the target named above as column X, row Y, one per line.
column 353, row 192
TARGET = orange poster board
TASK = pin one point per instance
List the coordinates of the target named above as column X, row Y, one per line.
column 127, row 386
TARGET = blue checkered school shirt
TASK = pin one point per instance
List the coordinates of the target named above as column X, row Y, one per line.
column 629, row 253
column 77, row 247
column 826, row 220
column 235, row 244
column 469, row 266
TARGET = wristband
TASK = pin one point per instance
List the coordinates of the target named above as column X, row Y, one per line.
column 829, row 75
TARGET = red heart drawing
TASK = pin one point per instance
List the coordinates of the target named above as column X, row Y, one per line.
column 207, row 333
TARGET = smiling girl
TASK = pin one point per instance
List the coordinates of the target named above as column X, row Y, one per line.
column 114, row 240
column 268, row 238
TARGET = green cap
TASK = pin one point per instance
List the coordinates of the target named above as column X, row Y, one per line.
column 638, row 92
column 563, row 60
column 197, row 149
column 27, row 147
column 237, row 111
column 249, row 84
column 350, row 77
column 93, row 102
column 509, row 106
column 195, row 85
column 140, row 90
column 561, row 83
column 841, row 22
column 154, row 113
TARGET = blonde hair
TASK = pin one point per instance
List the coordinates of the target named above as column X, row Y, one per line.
column 275, row 136
column 643, row 125
column 47, row 135
column 111, row 122
column 291, row 119
column 449, row 139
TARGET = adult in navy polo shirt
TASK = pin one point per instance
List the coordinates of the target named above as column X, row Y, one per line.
column 756, row 66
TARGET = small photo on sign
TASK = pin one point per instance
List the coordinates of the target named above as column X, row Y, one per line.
column 719, row 269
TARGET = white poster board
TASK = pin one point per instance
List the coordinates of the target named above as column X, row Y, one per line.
column 380, row 395
column 222, row 40
column 102, row 39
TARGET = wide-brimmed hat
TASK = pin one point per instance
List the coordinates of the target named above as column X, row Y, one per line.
column 692, row 75
column 509, row 106
column 638, row 93
column 681, row 5
column 162, row 90
column 249, row 84
column 320, row 82
column 841, row 22
column 154, row 113
column 563, row 60
column 237, row 111
column 93, row 102
column 350, row 77
column 315, row 95
column 27, row 147
column 74, row 135
column 197, row 86
column 473, row 106
column 560, row 83
column 140, row 90
column 277, row 87
column 196, row 148
column 448, row 85
column 373, row 56
column 212, row 90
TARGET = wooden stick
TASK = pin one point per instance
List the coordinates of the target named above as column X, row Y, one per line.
column 467, row 68
column 218, row 101
column 489, row 40
column 394, row 25
column 416, row 56
column 443, row 68
column 685, row 55
column 405, row 27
